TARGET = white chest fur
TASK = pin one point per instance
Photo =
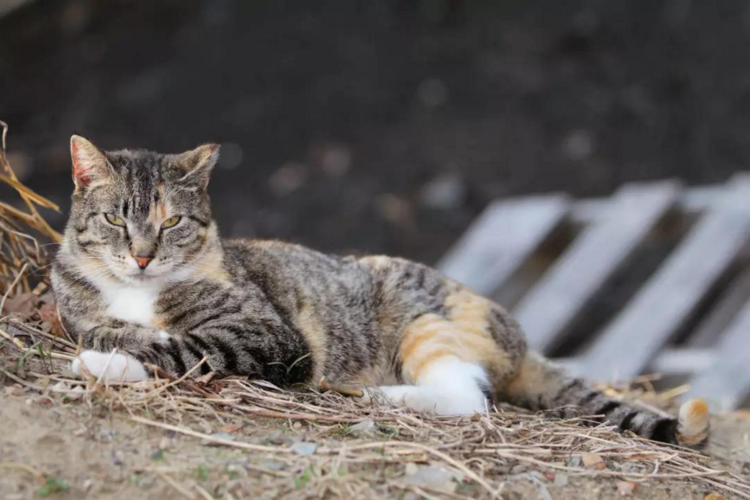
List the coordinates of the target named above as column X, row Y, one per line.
column 131, row 304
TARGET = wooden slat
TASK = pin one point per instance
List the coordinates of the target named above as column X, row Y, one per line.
column 721, row 315
column 501, row 239
column 694, row 200
column 632, row 340
column 549, row 308
column 682, row 361
column 726, row 383
column 669, row 362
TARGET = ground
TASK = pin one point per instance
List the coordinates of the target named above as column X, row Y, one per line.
column 104, row 443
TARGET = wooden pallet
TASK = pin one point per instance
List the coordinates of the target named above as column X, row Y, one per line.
column 572, row 273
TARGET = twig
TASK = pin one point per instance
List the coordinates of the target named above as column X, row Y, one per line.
column 23, row 467
column 174, row 484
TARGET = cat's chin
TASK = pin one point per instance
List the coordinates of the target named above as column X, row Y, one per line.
column 140, row 279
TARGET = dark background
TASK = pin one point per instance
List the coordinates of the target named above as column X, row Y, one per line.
column 382, row 126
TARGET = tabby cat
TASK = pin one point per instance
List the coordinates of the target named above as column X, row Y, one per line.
column 142, row 272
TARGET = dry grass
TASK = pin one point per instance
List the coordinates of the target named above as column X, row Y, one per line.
column 358, row 451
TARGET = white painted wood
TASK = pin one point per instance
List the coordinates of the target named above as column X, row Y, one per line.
column 632, row 340
column 669, row 362
column 683, row 361
column 726, row 383
column 549, row 308
column 692, row 201
column 502, row 239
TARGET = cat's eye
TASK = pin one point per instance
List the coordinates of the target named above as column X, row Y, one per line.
column 171, row 222
column 114, row 220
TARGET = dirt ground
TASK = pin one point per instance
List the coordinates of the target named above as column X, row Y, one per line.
column 91, row 452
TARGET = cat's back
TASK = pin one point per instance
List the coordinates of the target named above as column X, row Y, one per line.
column 285, row 269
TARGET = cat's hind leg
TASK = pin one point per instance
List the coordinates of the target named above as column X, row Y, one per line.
column 451, row 364
column 448, row 386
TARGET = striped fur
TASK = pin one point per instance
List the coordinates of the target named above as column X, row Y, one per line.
column 289, row 314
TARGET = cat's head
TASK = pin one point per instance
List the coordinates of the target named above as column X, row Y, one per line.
column 140, row 216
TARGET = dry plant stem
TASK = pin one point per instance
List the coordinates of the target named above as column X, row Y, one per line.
column 23, row 467
column 12, row 286
column 346, row 392
column 28, row 196
column 212, row 439
column 175, row 485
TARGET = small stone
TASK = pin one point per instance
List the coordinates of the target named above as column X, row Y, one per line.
column 560, row 480
column 272, row 464
column 366, row 426
column 435, row 477
column 14, row 390
column 626, row 488
column 411, row 469
column 303, row 448
column 117, row 458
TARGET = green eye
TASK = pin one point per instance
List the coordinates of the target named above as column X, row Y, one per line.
column 114, row 220
column 171, row 222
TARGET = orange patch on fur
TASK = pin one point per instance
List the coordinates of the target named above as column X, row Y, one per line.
column 159, row 322
column 464, row 334
column 426, row 360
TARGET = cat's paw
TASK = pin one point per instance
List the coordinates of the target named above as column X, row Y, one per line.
column 120, row 368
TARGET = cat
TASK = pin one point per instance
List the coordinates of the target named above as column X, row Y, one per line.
column 142, row 278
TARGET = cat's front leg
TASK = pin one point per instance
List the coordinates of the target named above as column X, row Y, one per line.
column 117, row 352
column 109, row 366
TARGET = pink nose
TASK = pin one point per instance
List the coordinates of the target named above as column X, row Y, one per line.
column 143, row 260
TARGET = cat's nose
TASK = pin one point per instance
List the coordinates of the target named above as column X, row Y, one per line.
column 143, row 260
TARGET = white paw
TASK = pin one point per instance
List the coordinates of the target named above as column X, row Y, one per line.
column 115, row 367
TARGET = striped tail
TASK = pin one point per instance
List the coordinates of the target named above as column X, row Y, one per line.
column 541, row 385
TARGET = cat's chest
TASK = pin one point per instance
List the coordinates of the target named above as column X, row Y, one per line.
column 131, row 304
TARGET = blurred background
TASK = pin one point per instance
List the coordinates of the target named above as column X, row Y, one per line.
column 381, row 126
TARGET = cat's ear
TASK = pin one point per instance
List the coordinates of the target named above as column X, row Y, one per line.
column 196, row 165
column 89, row 163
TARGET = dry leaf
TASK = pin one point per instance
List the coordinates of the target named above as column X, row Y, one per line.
column 48, row 314
column 593, row 461
column 22, row 304
column 714, row 496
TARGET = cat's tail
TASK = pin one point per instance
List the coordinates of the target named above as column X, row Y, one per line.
column 541, row 385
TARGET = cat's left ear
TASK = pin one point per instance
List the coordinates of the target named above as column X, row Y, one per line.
column 197, row 164
column 89, row 163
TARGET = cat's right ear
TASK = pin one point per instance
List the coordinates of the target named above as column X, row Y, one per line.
column 89, row 163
